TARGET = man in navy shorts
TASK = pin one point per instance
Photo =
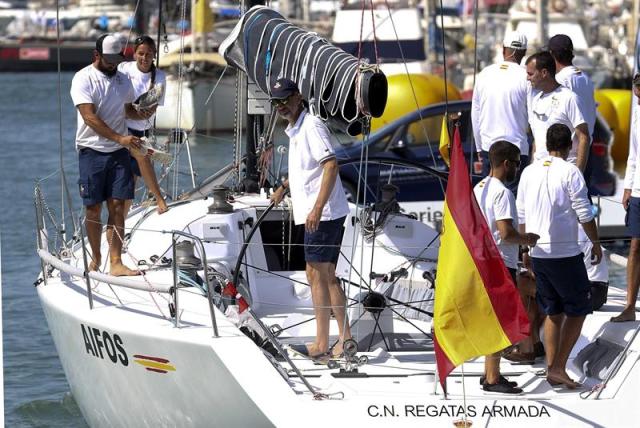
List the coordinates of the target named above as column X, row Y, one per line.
column 552, row 199
column 319, row 202
column 631, row 203
column 103, row 97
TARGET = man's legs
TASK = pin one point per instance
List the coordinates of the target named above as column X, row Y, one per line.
column 115, row 235
column 321, row 305
column 93, row 225
column 338, row 305
column 552, row 329
column 633, row 281
column 150, row 180
column 561, row 334
column 492, row 368
column 327, row 295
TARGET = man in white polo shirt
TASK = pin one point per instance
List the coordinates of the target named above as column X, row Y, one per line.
column 499, row 106
column 631, row 203
column 552, row 200
column 552, row 103
column 569, row 76
column 498, row 206
column 319, row 202
column 103, row 97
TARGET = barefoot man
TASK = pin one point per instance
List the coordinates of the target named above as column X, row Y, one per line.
column 552, row 200
column 103, row 97
column 631, row 203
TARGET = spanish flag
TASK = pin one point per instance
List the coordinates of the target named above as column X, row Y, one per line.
column 477, row 307
column 445, row 141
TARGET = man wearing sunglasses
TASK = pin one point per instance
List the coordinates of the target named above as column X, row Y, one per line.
column 103, row 97
column 498, row 206
column 319, row 202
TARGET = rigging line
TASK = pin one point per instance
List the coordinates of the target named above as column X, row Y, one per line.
column 429, row 335
column 389, row 298
column 413, row 91
column 132, row 21
column 444, row 61
column 59, row 88
column 216, row 85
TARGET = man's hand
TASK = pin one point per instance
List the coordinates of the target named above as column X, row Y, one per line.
column 130, row 142
column 526, row 262
column 278, row 195
column 531, row 239
column 146, row 113
column 596, row 254
column 313, row 220
column 625, row 198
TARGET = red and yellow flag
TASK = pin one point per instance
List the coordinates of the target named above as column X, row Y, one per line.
column 477, row 307
column 445, row 141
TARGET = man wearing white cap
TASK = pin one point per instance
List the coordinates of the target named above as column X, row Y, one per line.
column 499, row 106
column 103, row 97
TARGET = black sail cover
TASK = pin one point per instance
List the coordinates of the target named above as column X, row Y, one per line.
column 267, row 47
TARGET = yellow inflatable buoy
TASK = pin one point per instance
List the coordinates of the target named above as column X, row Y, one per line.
column 618, row 100
column 429, row 89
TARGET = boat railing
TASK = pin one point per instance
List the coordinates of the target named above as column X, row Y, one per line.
column 59, row 260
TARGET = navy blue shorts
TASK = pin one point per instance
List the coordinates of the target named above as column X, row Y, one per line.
column 562, row 286
column 323, row 245
column 135, row 168
column 104, row 176
column 632, row 219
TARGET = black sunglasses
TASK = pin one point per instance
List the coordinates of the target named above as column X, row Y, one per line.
column 280, row 102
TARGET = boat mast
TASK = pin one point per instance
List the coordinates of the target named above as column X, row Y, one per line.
column 140, row 19
column 255, row 125
column 542, row 21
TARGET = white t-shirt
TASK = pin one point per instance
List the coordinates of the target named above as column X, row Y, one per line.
column 499, row 106
column 309, row 147
column 498, row 203
column 141, row 83
column 108, row 95
column 632, row 174
column 552, row 199
column 546, row 109
column 577, row 80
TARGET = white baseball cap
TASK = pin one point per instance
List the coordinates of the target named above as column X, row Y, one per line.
column 515, row 40
column 110, row 47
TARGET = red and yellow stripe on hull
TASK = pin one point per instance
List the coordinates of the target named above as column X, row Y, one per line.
column 477, row 307
column 154, row 364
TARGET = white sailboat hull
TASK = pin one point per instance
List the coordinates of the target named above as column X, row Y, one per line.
column 129, row 365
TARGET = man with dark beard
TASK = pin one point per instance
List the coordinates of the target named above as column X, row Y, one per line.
column 103, row 97
column 498, row 205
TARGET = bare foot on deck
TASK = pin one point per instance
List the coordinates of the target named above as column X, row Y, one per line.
column 122, row 270
column 625, row 315
column 162, row 206
column 560, row 377
column 94, row 266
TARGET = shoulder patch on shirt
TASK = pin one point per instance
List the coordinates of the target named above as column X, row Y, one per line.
column 546, row 163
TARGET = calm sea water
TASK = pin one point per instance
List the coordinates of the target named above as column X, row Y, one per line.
column 36, row 391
